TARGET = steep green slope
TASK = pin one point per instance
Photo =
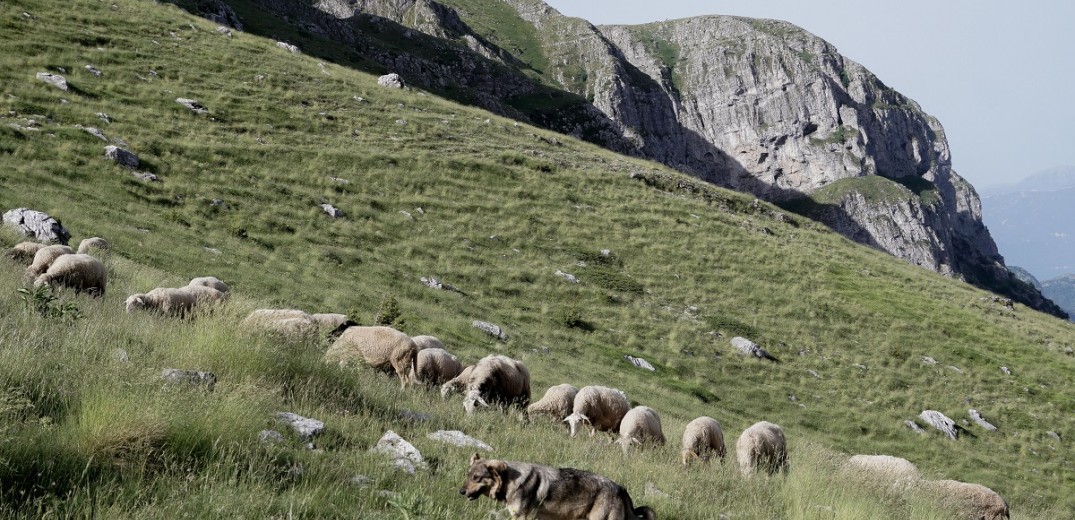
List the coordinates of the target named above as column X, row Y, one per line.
column 495, row 209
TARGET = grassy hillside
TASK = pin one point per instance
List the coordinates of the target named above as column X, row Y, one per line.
column 494, row 209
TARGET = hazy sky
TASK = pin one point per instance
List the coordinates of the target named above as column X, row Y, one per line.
column 998, row 75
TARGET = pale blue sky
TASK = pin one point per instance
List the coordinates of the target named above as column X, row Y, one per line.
column 997, row 74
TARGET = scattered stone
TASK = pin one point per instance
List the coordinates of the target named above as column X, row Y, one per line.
column 404, row 455
column 361, row 480
column 914, row 426
column 434, row 283
column 189, row 377
column 458, row 438
column 749, row 348
column 288, row 47
column 120, row 355
column 860, row 366
column 213, row 250
column 93, row 70
column 332, row 211
column 640, row 363
column 415, row 417
column 145, row 176
column 941, row 422
column 1054, row 435
column 217, row 202
column 542, row 351
column 193, row 105
column 391, row 495
column 224, row 30
column 94, row 132
column 954, row 369
column 104, row 117
column 1006, row 371
column 401, row 122
column 392, row 80
column 37, row 225
column 420, row 210
column 122, row 157
column 55, row 80
column 271, row 437
column 813, row 373
column 406, row 215
column 605, row 252
column 489, row 328
column 652, row 491
column 304, row 427
column 926, row 360
column 977, row 418
column 567, row 276
column 360, row 99
column 340, row 180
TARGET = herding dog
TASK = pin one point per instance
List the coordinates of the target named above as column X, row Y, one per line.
column 532, row 491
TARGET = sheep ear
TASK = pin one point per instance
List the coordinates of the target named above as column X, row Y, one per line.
column 475, row 458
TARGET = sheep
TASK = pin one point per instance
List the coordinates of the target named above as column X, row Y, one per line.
column 600, row 407
column 641, row 425
column 436, row 366
column 288, row 322
column 173, row 301
column 556, row 404
column 974, row 501
column 209, row 281
column 498, row 380
column 77, row 271
column 425, row 342
column 701, row 439
column 383, row 348
column 89, row 244
column 457, row 383
column 762, row 447
column 331, row 321
column 24, row 252
column 900, row 471
column 44, row 258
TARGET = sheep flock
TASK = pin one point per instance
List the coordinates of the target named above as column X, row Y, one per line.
column 495, row 382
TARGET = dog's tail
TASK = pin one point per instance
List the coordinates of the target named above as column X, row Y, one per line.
column 644, row 513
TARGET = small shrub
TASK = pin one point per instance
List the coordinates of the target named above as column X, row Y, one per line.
column 731, row 327
column 46, row 304
column 389, row 313
column 570, row 317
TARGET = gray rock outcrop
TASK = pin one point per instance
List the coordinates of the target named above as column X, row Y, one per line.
column 192, row 105
column 122, row 157
column 458, row 438
column 980, row 421
column 37, row 225
column 403, row 454
column 55, row 80
column 288, row 47
column 189, row 377
column 332, row 211
column 749, row 348
column 941, row 422
column 304, row 427
column 490, row 329
column 392, row 80
column 640, row 363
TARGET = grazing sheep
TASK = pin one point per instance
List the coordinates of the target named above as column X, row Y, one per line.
column 457, row 383
column 425, row 342
column 44, row 258
column 701, row 439
column 641, row 425
column 383, row 348
column 974, row 501
column 556, row 404
column 210, row 281
column 83, row 273
column 24, row 252
column 600, row 407
column 287, row 322
column 900, row 471
column 173, row 301
column 330, row 320
column 436, row 366
column 497, row 380
column 89, row 244
column 762, row 447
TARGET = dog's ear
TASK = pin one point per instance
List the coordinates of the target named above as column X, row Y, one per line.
column 475, row 458
column 497, row 466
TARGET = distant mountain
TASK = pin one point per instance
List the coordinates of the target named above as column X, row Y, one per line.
column 1024, row 276
column 1033, row 222
column 1061, row 291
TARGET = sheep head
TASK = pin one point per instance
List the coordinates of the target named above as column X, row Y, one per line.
column 573, row 421
column 136, row 301
column 473, row 400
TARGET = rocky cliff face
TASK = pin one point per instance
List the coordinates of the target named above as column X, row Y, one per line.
column 754, row 105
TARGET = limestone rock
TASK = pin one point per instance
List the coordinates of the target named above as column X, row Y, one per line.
column 122, row 157
column 304, row 427
column 567, row 276
column 332, row 211
column 749, row 348
column 224, row 30
column 403, row 454
column 93, row 70
column 288, row 47
column 55, row 80
column 189, row 377
column 977, row 418
column 104, row 117
column 913, row 426
column 458, row 438
column 434, row 283
column 640, row 363
column 94, row 132
column 941, row 422
column 271, row 437
column 392, row 80
column 193, row 105
column 492, row 330
column 37, row 225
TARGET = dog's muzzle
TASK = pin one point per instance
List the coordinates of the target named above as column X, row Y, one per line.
column 463, row 491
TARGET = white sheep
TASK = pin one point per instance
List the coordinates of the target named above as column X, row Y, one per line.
column 701, row 439
column 901, row 472
column 24, row 252
column 556, row 404
column 457, row 383
column 425, row 342
column 44, row 258
column 89, row 244
column 762, row 447
column 436, row 366
column 383, row 348
column 209, row 281
column 287, row 322
column 974, row 501
column 600, row 407
column 83, row 273
column 497, row 380
column 642, row 426
column 173, row 301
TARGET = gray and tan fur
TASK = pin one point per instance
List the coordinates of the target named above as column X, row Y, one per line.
column 901, row 472
column 533, row 491
column 600, row 407
column 94, row 243
column 425, row 342
column 702, row 438
column 382, row 348
column 174, row 301
column 457, row 383
column 210, row 281
column 762, row 447
column 24, row 252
